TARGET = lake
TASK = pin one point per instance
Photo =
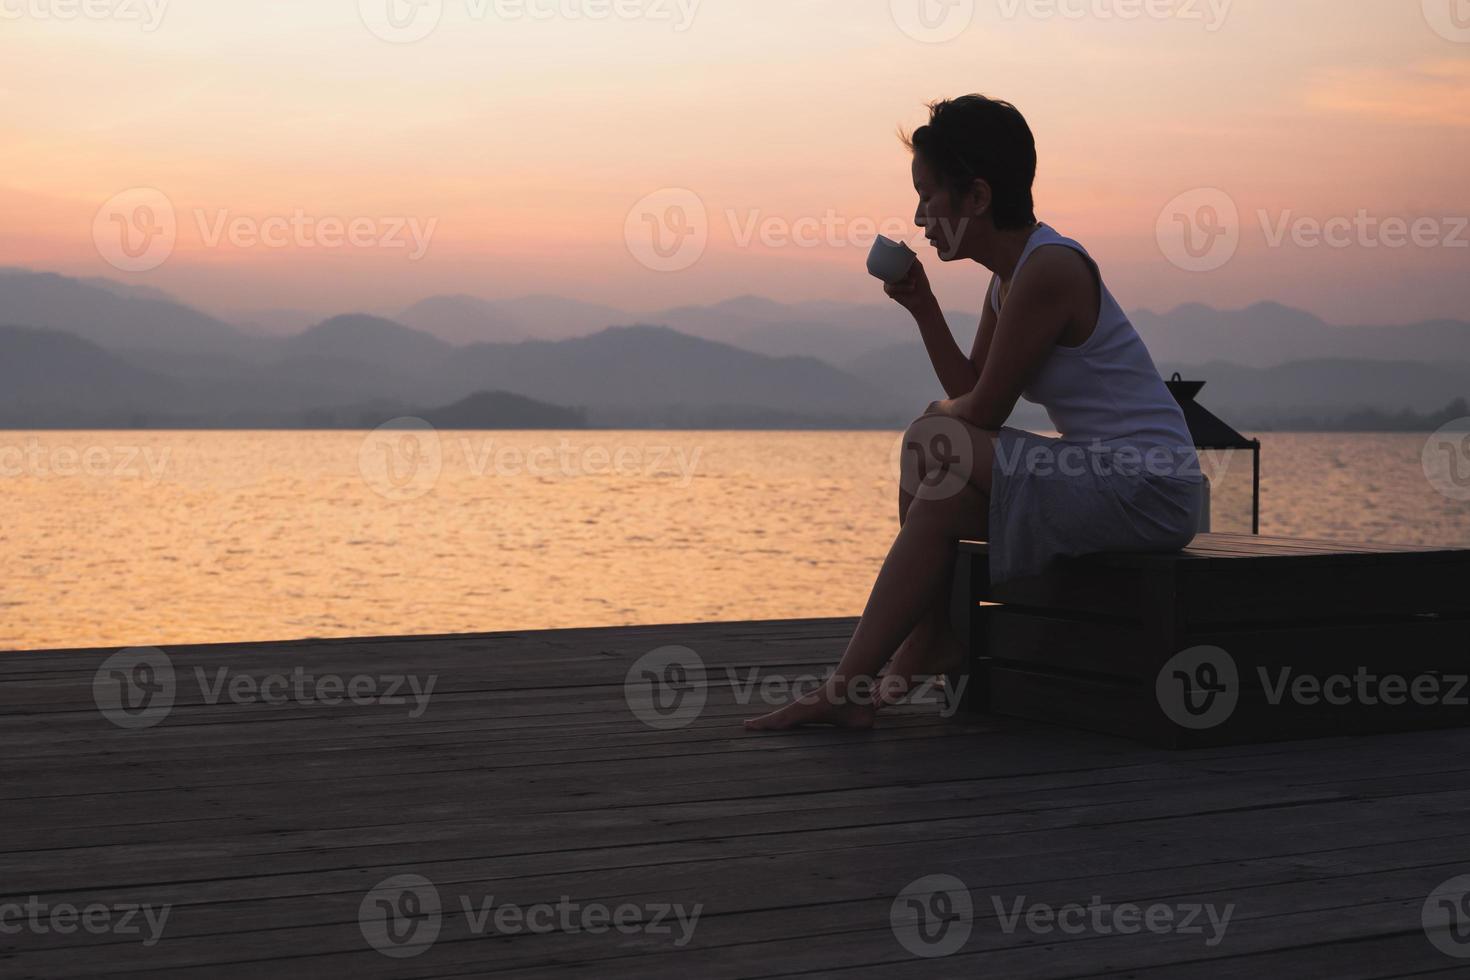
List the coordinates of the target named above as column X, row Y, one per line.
column 116, row 539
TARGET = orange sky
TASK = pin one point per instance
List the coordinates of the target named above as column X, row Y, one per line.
column 520, row 136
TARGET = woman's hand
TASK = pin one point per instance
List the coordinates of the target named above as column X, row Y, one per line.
column 962, row 408
column 913, row 292
column 945, row 407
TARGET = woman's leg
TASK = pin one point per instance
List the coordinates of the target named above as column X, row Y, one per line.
column 918, row 567
column 915, row 646
column 931, row 650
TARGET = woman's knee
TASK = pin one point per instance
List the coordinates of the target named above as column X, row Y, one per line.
column 941, row 451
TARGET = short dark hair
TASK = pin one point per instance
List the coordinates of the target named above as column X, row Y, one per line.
column 973, row 136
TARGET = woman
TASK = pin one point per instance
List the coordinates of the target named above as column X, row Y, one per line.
column 1122, row 475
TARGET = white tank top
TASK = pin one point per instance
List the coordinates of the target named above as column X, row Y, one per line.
column 1107, row 390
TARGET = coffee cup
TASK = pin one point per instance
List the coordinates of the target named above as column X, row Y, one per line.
column 889, row 260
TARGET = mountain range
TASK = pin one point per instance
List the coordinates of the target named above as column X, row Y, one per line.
column 93, row 352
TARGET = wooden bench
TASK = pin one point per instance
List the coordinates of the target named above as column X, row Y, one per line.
column 1238, row 638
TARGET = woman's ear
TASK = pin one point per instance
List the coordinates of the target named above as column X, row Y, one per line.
column 979, row 197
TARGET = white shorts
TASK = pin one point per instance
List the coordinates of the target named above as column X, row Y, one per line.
column 1055, row 501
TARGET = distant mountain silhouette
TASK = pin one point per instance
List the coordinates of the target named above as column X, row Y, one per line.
column 125, row 317
column 128, row 290
column 834, row 332
column 272, row 322
column 651, row 369
column 1321, row 388
column 480, row 411
column 1374, row 420
column 831, row 331
column 111, row 351
column 53, row 379
column 1326, row 388
column 1269, row 334
column 463, row 320
column 471, row 320
column 1262, row 335
column 358, row 337
column 114, row 316
column 500, row 410
column 621, row 376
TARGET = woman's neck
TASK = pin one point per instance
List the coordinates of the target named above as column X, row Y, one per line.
column 1003, row 252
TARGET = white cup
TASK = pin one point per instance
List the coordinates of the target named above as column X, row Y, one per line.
column 890, row 260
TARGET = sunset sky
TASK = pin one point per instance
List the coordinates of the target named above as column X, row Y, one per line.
column 531, row 152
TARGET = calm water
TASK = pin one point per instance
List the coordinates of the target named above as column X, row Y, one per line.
column 121, row 539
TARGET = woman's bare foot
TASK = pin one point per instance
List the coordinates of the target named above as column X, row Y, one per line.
column 937, row 658
column 824, row 706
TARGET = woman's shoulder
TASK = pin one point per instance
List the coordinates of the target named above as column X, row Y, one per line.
column 1057, row 265
column 1048, row 234
column 1051, row 266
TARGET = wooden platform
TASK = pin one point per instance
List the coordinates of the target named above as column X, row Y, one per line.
column 530, row 777
column 1299, row 637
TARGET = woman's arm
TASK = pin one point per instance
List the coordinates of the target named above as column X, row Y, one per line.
column 983, row 338
column 956, row 373
column 1055, row 285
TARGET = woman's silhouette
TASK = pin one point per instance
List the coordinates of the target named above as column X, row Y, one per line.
column 1122, row 474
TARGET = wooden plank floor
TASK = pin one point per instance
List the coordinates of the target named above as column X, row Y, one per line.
column 530, row 780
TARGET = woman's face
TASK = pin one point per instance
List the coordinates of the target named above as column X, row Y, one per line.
column 944, row 224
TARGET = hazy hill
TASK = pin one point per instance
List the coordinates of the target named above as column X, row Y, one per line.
column 480, row 411
column 1251, row 395
column 124, row 317
column 370, row 339
column 623, row 376
column 114, row 316
column 1456, row 414
column 463, row 320
column 654, row 368
column 272, row 322
column 1269, row 334
column 1262, row 335
column 49, row 378
column 117, row 348
column 470, row 320
column 830, row 331
column 501, row 410
column 1324, row 388
column 834, row 332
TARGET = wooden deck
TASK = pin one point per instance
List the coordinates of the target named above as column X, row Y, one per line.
column 530, row 777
